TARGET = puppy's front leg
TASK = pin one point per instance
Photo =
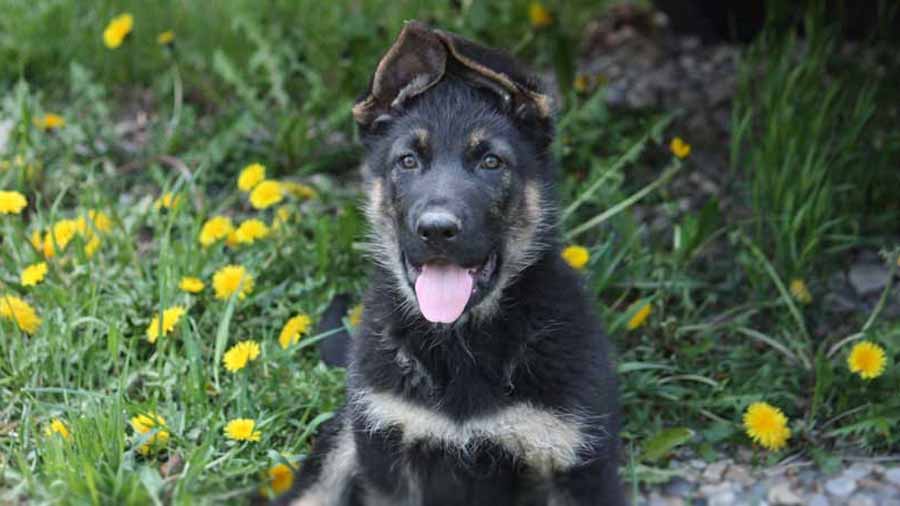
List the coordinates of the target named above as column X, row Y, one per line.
column 595, row 483
column 326, row 478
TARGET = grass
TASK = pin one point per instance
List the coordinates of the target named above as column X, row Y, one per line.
column 244, row 84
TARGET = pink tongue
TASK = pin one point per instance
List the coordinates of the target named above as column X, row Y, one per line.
column 443, row 291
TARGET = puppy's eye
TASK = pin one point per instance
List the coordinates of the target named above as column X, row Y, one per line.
column 491, row 162
column 408, row 162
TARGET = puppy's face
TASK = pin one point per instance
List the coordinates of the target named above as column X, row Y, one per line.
column 456, row 177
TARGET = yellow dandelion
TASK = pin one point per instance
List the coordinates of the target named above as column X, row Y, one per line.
column 12, row 202
column 165, row 38
column 57, row 426
column 216, row 228
column 581, row 83
column 251, row 176
column 92, row 246
column 117, row 29
column 19, row 312
column 281, row 478
column 170, row 318
column 266, row 194
column 251, row 230
column 146, row 422
column 60, row 235
column 539, row 15
column 354, row 317
column 49, row 121
column 576, row 256
column 640, row 317
column 36, row 241
column 282, row 216
column 800, row 292
column 33, row 274
column 299, row 190
column 191, row 284
column 867, row 359
column 242, row 429
column 238, row 356
column 167, row 201
column 679, row 148
column 293, row 329
column 766, row 425
column 228, row 279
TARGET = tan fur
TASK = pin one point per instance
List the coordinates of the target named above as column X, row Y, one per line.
column 544, row 440
column 339, row 467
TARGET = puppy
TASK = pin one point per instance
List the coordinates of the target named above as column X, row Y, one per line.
column 479, row 374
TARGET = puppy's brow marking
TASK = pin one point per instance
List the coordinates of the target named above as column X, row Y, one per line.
column 545, row 440
column 477, row 137
column 421, row 137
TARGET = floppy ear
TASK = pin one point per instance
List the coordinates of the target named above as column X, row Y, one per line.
column 421, row 57
column 415, row 62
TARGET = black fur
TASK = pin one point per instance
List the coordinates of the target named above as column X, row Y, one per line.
column 541, row 346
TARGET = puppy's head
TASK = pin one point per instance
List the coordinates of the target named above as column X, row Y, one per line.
column 456, row 139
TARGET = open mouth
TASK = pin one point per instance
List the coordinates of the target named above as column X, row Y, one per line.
column 444, row 289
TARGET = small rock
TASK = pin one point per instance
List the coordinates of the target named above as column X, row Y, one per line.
column 716, row 489
column 861, row 500
column 840, row 486
column 868, row 278
column 818, row 500
column 713, row 472
column 893, row 475
column 782, row 494
column 725, row 498
column 857, row 471
column 739, row 474
column 678, row 487
column 697, row 464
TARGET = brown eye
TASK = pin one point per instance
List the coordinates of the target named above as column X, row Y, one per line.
column 491, row 162
column 409, row 162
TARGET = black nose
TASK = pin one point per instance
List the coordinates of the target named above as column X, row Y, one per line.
column 437, row 226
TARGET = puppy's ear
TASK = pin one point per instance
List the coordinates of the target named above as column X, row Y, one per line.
column 421, row 57
column 415, row 62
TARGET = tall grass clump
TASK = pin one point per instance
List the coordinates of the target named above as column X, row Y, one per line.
column 797, row 128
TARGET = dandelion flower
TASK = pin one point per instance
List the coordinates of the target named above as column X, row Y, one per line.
column 266, row 194
column 238, row 356
column 228, row 279
column 92, row 246
column 217, row 227
column 281, row 478
column 33, row 274
column 576, row 256
column 165, row 38
column 680, row 148
column 299, row 190
column 251, row 230
column 170, row 318
column 57, row 426
column 60, row 235
column 581, row 83
column 293, row 329
column 354, row 317
column 12, row 202
column 36, row 241
column 50, row 121
column 800, row 292
column 191, row 284
column 117, row 29
column 766, row 425
column 282, row 216
column 867, row 359
column 144, row 423
column 242, row 429
column 167, row 200
column 251, row 176
column 539, row 15
column 19, row 312
column 640, row 316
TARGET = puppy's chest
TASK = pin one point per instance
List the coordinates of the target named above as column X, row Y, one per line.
column 532, row 440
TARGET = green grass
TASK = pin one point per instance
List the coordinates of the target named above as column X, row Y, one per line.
column 246, row 84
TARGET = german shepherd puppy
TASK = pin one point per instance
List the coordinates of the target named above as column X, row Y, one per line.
column 479, row 374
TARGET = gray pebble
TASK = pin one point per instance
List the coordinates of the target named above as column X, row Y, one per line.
column 678, row 487
column 840, row 486
column 861, row 500
column 713, row 472
column 818, row 500
column 893, row 475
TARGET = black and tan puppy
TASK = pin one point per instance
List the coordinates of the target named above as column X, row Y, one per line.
column 479, row 375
